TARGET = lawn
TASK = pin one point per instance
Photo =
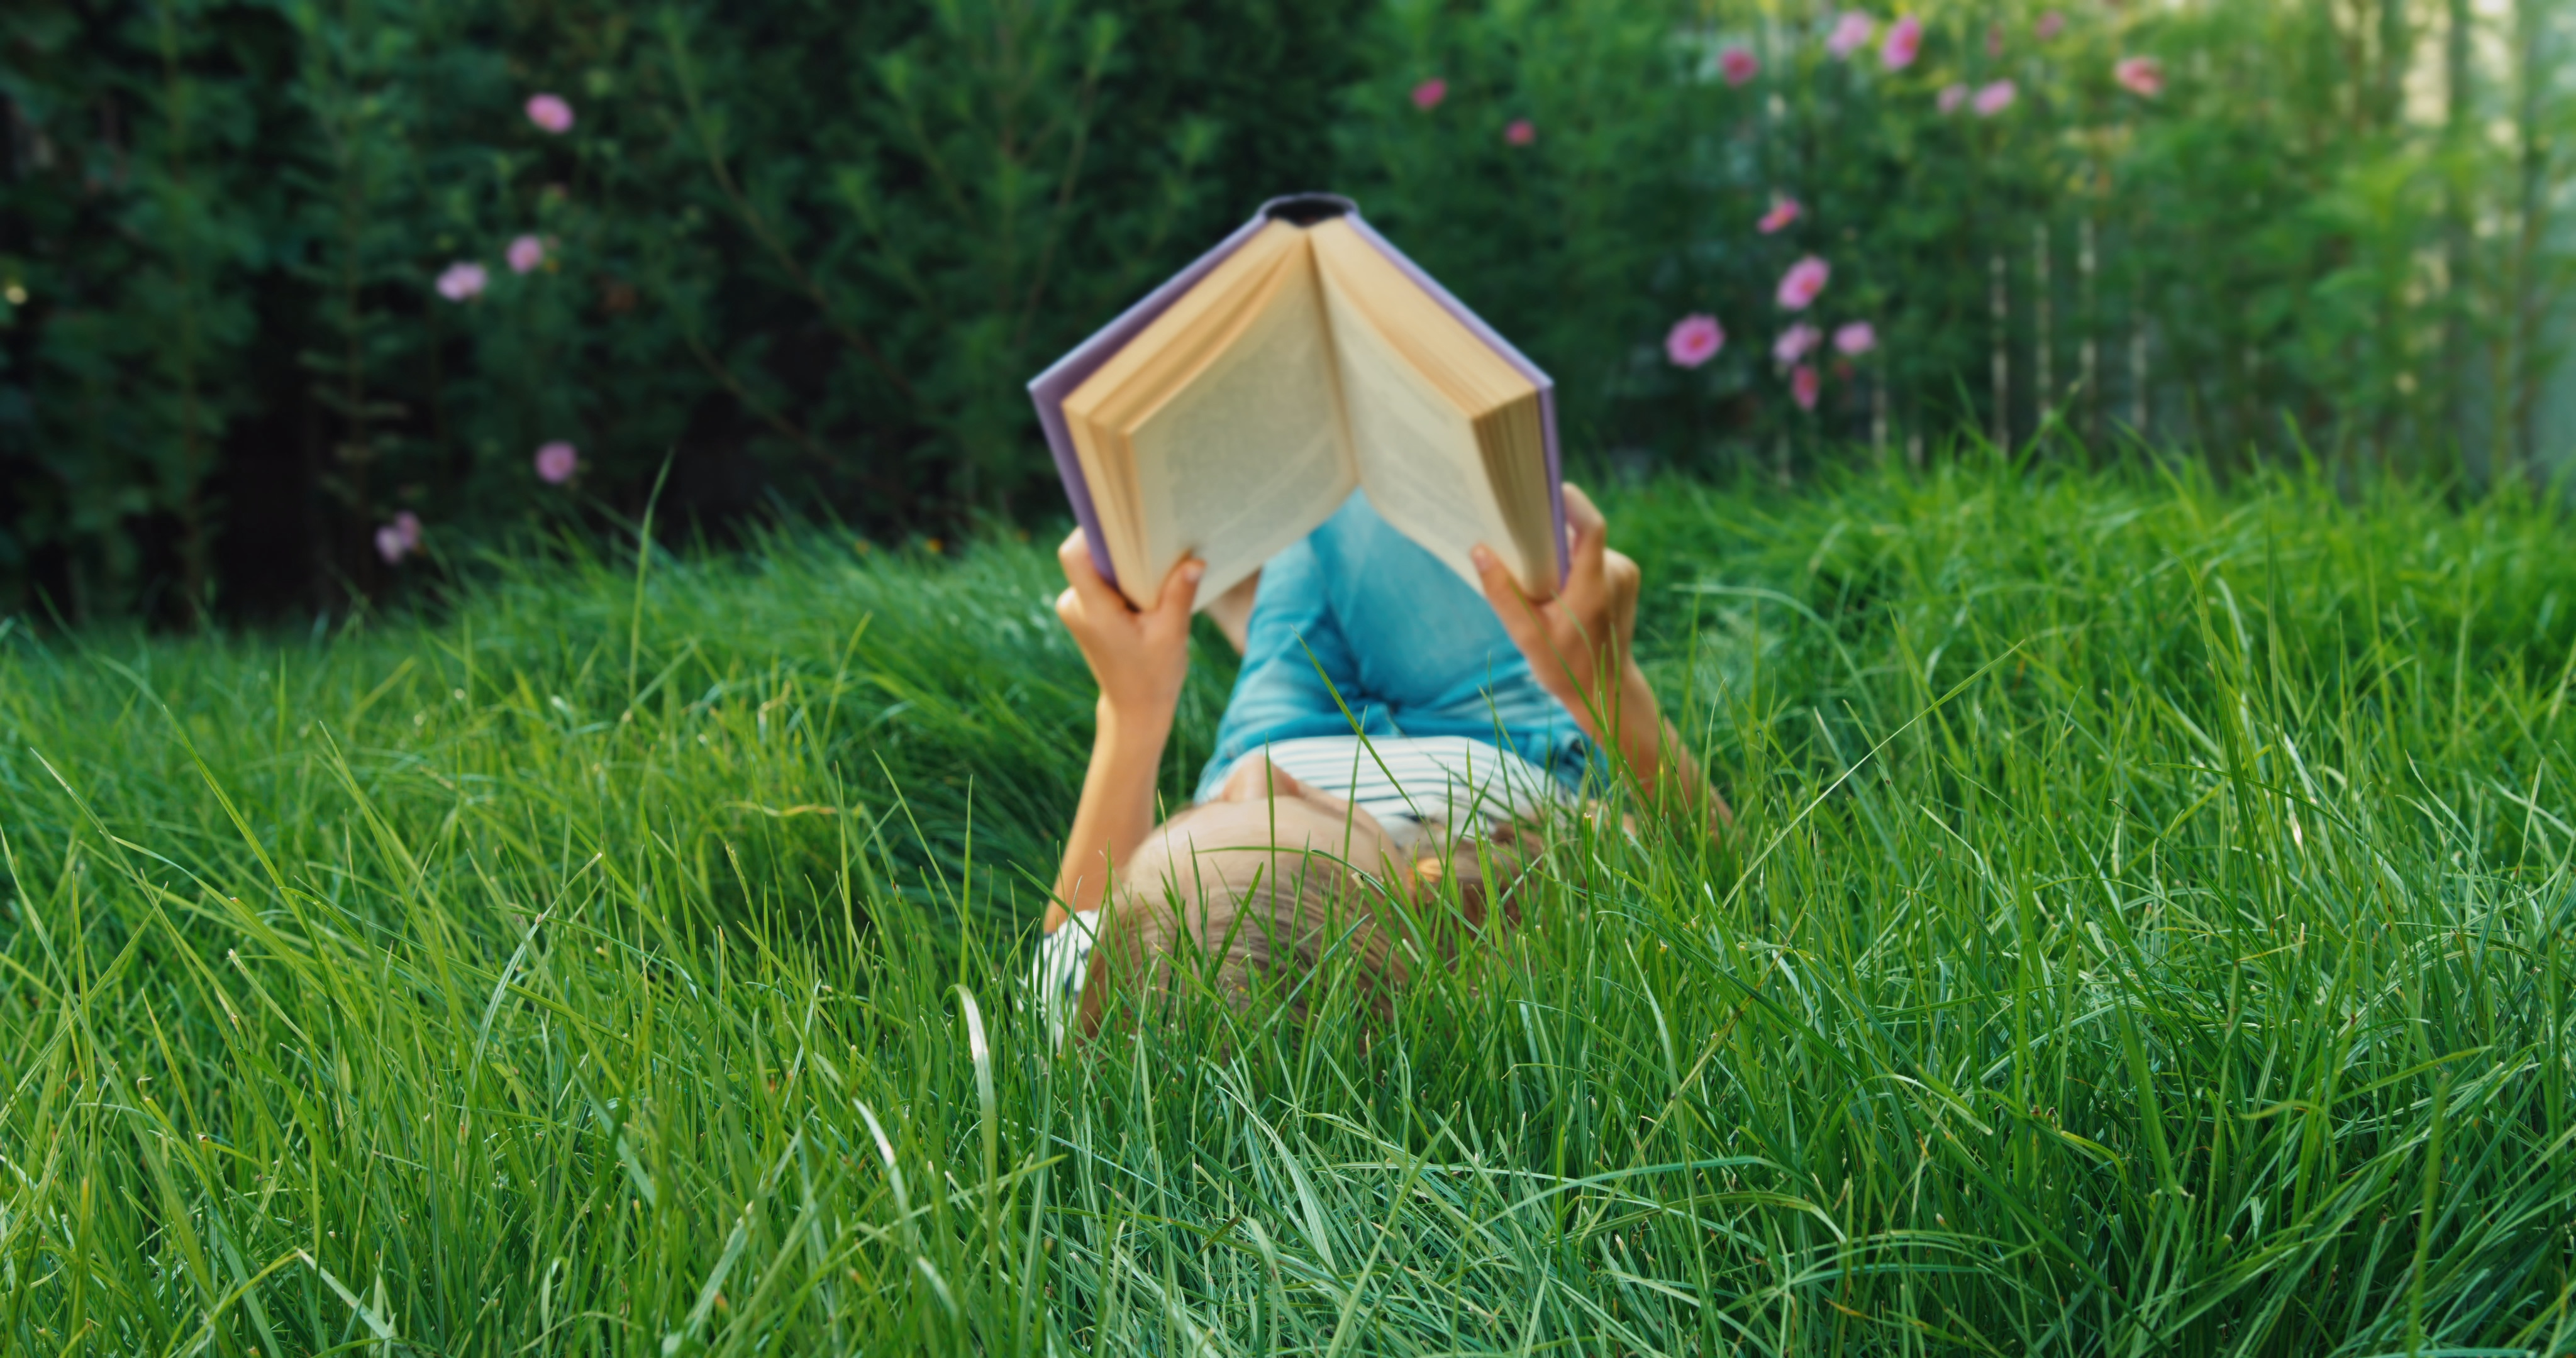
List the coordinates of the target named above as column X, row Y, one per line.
column 2145, row 930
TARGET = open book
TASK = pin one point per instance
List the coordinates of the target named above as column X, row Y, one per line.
column 1238, row 406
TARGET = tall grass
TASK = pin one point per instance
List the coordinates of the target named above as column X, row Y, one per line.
column 2145, row 930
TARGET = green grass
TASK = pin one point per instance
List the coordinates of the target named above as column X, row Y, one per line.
column 2146, row 931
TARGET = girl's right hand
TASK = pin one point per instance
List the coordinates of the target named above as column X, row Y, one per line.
column 1139, row 659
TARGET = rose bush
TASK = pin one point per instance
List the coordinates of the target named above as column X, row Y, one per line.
column 272, row 276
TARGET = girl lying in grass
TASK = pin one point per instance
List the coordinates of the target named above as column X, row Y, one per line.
column 1391, row 743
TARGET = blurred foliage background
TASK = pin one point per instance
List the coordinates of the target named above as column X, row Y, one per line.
column 295, row 293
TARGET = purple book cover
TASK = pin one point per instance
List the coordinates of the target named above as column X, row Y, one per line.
column 1050, row 388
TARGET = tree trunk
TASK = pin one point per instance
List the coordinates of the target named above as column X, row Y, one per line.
column 2531, row 301
column 2393, row 50
column 2043, row 378
column 2088, row 356
column 2458, row 142
column 1999, row 306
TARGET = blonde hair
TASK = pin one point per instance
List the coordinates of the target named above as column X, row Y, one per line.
column 1253, row 926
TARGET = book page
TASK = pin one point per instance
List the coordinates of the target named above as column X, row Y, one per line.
column 1415, row 450
column 1168, row 353
column 1248, row 455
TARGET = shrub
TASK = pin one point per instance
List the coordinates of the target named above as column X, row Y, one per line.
column 272, row 252
column 2212, row 225
column 806, row 257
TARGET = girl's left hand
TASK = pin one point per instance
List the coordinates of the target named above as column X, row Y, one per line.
column 1576, row 643
column 1138, row 658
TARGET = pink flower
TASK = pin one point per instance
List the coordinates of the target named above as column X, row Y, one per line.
column 550, row 112
column 1803, row 385
column 398, row 539
column 2049, row 25
column 462, row 280
column 1904, row 43
column 1739, row 65
column 1795, row 343
column 1851, row 33
column 1950, row 98
column 2144, row 76
column 1520, row 132
column 1799, row 286
column 1694, row 340
column 525, row 253
column 1855, row 339
column 1783, row 211
column 556, row 462
column 1995, row 40
column 1428, row 94
column 1993, row 99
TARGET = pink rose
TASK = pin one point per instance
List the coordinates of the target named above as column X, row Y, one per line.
column 556, row 462
column 1851, row 33
column 2049, row 26
column 1739, row 65
column 1904, row 43
column 1803, row 386
column 1799, row 286
column 1694, row 340
column 1428, row 94
column 525, row 253
column 1993, row 99
column 1795, row 343
column 1950, row 98
column 1520, row 132
column 550, row 112
column 1855, row 339
column 1783, row 211
column 2143, row 76
column 462, row 281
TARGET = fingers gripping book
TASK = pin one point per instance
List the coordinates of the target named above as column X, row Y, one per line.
column 1239, row 404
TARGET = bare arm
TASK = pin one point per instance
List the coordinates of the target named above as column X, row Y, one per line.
column 1116, row 811
column 1139, row 660
column 1577, row 645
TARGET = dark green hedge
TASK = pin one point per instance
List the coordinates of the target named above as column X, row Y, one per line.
column 808, row 250
column 806, row 254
